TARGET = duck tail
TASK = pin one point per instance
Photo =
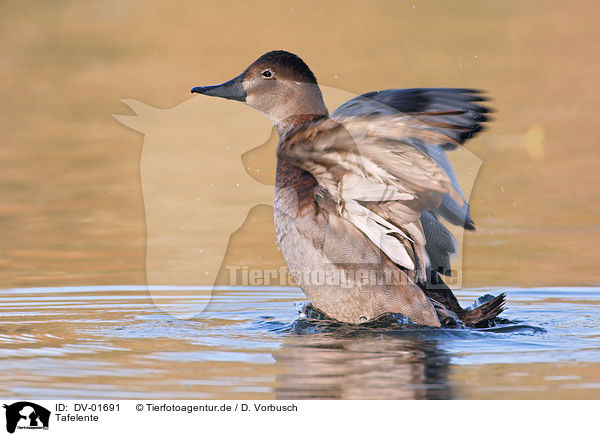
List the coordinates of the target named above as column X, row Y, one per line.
column 486, row 312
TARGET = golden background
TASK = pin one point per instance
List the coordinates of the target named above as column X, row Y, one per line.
column 71, row 206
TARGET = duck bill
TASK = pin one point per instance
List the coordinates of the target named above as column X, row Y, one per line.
column 231, row 90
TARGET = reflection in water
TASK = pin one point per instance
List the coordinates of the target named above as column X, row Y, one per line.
column 112, row 341
column 363, row 365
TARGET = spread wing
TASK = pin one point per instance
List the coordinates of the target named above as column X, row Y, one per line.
column 453, row 112
column 370, row 171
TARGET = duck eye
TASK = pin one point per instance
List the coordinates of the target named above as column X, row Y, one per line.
column 267, row 74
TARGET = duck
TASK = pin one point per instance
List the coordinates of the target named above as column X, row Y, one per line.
column 360, row 194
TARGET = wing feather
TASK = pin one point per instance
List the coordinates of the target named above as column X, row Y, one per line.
column 375, row 177
column 454, row 112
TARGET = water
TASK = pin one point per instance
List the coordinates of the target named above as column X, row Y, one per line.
column 113, row 342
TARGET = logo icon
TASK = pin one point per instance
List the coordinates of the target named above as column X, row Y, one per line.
column 26, row 415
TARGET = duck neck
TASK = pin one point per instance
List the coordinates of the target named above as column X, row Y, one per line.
column 295, row 120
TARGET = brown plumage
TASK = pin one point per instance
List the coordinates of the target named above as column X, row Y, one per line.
column 486, row 312
column 359, row 194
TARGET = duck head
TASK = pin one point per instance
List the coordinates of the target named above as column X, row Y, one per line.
column 279, row 85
